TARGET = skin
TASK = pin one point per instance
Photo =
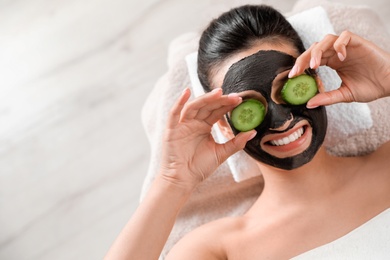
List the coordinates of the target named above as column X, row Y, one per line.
column 299, row 209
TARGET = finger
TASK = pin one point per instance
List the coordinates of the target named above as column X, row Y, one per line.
column 174, row 115
column 302, row 62
column 342, row 94
column 218, row 114
column 341, row 44
column 318, row 52
column 202, row 108
column 218, row 108
column 224, row 104
column 236, row 144
column 191, row 109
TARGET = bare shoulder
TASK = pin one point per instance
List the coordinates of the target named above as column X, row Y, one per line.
column 206, row 242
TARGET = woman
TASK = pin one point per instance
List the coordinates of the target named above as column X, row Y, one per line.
column 305, row 202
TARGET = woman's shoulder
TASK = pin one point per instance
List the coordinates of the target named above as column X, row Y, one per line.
column 208, row 241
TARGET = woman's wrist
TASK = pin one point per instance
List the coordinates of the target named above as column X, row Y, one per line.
column 172, row 184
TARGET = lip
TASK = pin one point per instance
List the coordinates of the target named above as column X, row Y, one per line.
column 293, row 148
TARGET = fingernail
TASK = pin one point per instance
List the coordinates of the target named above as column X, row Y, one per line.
column 184, row 91
column 293, row 71
column 252, row 135
column 216, row 90
column 341, row 56
column 311, row 106
column 312, row 62
column 233, row 95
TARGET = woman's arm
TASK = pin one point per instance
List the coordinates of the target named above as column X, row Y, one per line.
column 145, row 234
column 189, row 156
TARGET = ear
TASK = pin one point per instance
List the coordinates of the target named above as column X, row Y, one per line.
column 225, row 128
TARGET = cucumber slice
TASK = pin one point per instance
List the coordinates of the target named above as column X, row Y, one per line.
column 298, row 90
column 248, row 115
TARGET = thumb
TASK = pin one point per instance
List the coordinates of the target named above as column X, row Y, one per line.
column 236, row 144
column 342, row 94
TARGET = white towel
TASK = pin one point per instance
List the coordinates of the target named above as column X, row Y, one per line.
column 343, row 119
column 368, row 241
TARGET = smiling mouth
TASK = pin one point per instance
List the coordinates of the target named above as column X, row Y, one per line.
column 288, row 139
column 290, row 143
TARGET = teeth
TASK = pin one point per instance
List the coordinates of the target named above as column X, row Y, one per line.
column 291, row 138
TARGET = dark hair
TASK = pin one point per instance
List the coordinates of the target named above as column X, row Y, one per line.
column 237, row 30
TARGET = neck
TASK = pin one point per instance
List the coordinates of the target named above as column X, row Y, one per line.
column 305, row 185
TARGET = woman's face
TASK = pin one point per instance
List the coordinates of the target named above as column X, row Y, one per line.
column 290, row 135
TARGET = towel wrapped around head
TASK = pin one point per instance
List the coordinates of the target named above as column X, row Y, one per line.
column 354, row 128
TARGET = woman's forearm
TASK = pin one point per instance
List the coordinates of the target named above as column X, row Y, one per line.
column 146, row 233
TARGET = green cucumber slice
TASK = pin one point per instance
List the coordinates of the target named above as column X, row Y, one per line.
column 298, row 90
column 248, row 115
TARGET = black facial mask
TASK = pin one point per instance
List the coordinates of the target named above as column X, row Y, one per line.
column 257, row 72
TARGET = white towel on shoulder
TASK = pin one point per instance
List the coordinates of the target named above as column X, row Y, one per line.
column 368, row 241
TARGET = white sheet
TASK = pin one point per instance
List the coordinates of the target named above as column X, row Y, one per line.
column 369, row 241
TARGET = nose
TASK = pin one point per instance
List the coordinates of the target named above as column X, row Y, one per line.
column 281, row 117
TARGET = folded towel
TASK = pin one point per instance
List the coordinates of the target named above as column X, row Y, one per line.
column 343, row 119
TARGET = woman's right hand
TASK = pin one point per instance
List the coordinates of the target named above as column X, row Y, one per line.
column 363, row 67
column 190, row 153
